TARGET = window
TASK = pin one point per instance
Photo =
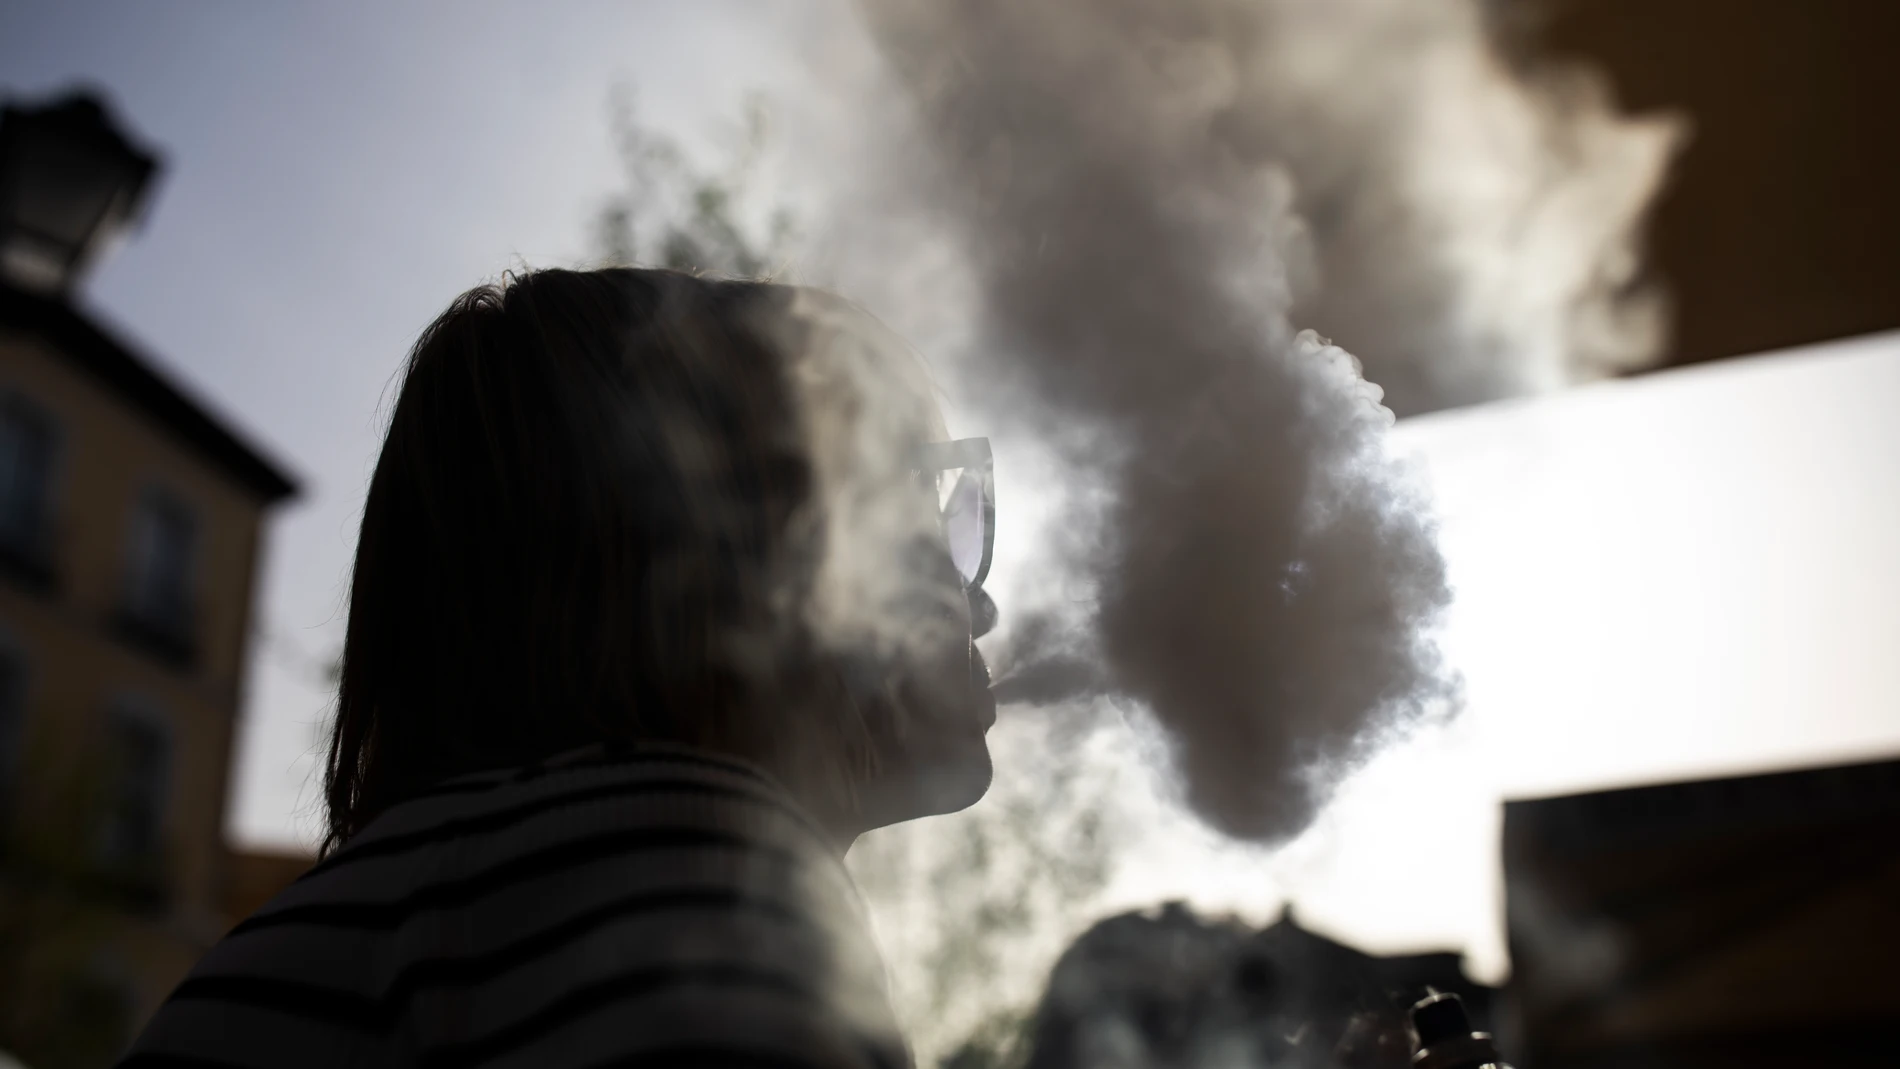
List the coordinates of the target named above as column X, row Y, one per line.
column 12, row 725
column 159, row 606
column 27, row 444
column 137, row 768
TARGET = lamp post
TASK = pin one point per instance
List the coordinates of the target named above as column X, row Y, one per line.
column 69, row 181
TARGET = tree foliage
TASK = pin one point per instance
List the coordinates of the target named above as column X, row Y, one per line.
column 673, row 212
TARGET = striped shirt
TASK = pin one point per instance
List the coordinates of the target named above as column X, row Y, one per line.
column 659, row 908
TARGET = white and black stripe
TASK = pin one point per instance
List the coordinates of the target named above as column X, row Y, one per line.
column 654, row 908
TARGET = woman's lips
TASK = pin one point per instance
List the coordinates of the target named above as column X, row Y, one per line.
column 980, row 686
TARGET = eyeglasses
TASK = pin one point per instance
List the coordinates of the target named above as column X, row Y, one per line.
column 966, row 501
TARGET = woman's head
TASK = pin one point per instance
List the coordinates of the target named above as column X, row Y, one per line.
column 630, row 505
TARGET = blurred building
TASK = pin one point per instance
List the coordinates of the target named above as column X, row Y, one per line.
column 1738, row 923
column 130, row 521
column 1778, row 225
column 1166, row 987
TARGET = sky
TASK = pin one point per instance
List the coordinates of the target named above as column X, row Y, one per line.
column 1686, row 574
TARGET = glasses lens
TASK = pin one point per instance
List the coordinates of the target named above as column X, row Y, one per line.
column 964, row 523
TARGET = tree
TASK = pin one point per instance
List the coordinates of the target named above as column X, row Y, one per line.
column 674, row 213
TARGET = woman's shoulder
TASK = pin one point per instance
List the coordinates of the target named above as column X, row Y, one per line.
column 649, row 817
column 492, row 912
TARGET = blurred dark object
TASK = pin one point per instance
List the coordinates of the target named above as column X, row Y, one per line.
column 70, row 181
column 1735, row 922
column 130, row 525
column 1169, row 988
column 1446, row 1039
column 1779, row 225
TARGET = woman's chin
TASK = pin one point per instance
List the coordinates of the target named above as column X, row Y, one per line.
column 950, row 783
column 958, row 787
column 943, row 765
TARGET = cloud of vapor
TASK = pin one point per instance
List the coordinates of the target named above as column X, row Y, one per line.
column 1142, row 203
column 1261, row 580
column 1474, row 211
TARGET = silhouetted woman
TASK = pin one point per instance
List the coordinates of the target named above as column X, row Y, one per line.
column 663, row 596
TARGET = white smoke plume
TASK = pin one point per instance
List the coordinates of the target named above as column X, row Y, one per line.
column 1147, row 202
column 1474, row 213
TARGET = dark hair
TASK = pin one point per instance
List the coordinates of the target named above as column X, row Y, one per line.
column 584, row 527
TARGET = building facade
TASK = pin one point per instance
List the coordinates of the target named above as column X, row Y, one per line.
column 129, row 536
column 1733, row 923
column 130, row 526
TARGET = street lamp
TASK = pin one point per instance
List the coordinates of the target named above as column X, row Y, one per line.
column 69, row 182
